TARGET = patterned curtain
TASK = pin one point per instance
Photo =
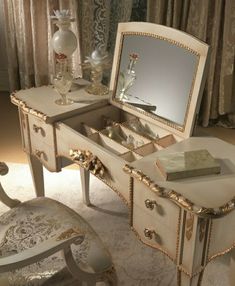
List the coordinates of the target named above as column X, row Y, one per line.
column 28, row 36
column 212, row 21
column 29, row 31
column 98, row 21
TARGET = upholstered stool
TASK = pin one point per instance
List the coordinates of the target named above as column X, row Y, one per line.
column 32, row 233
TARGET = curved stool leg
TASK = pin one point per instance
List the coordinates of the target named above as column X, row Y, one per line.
column 84, row 273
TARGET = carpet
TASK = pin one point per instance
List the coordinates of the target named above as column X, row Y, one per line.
column 135, row 263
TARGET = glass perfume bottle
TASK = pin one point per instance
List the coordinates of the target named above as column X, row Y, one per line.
column 128, row 77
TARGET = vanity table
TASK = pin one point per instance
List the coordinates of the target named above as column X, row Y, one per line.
column 156, row 85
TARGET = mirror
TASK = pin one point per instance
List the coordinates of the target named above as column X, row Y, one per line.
column 155, row 75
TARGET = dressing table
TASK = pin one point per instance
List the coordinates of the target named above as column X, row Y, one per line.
column 156, row 85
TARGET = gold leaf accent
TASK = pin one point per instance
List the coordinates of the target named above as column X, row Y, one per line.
column 88, row 161
column 68, row 233
column 189, row 226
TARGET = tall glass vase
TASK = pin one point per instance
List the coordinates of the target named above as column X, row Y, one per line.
column 63, row 81
column 64, row 43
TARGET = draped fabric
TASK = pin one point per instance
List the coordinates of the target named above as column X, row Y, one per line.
column 29, row 30
column 212, row 21
column 98, row 23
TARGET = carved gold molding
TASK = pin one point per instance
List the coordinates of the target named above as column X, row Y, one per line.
column 24, row 107
column 88, row 161
column 179, row 199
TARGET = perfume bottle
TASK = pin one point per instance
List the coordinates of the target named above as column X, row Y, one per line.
column 128, row 77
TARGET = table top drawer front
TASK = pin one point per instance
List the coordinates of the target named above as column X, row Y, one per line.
column 45, row 153
column 70, row 142
column 42, row 131
column 161, row 209
column 154, row 233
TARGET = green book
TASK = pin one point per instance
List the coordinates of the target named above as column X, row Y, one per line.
column 188, row 164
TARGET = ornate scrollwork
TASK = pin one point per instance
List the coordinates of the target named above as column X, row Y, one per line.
column 88, row 161
column 24, row 107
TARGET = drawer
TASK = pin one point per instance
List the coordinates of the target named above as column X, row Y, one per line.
column 40, row 130
column 108, row 152
column 160, row 209
column 45, row 153
column 153, row 233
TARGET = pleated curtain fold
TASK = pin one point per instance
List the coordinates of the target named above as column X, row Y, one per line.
column 212, row 21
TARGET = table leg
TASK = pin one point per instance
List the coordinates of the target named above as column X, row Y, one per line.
column 85, row 180
column 36, row 169
column 232, row 268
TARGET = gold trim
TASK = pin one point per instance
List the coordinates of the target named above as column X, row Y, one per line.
column 153, row 246
column 68, row 234
column 24, row 107
column 179, row 199
column 88, row 161
column 154, row 116
column 189, row 226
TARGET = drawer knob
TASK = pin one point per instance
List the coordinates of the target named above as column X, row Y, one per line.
column 150, row 204
column 37, row 129
column 149, row 233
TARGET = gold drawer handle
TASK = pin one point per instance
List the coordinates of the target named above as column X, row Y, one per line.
column 150, row 204
column 149, row 233
column 37, row 129
column 40, row 154
column 88, row 161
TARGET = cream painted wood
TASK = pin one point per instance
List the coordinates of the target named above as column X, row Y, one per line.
column 36, row 169
column 71, row 140
column 160, row 210
column 232, row 268
column 163, row 237
column 191, row 240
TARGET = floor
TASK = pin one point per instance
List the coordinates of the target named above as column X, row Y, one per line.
column 10, row 140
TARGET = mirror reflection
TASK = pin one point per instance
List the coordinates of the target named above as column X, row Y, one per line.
column 156, row 76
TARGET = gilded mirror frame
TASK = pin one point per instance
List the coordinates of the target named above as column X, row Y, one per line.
column 174, row 37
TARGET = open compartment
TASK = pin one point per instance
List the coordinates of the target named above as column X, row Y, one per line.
column 130, row 156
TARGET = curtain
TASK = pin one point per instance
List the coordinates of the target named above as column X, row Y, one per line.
column 29, row 31
column 28, row 36
column 98, row 23
column 212, row 21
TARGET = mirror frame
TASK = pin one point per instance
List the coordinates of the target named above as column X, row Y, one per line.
column 180, row 39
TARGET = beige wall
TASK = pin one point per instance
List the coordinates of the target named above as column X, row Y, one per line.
column 3, row 53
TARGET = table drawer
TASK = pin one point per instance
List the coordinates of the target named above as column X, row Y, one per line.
column 154, row 233
column 161, row 209
column 41, row 131
column 109, row 154
column 45, row 153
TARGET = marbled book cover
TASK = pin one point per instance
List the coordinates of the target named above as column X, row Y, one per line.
column 181, row 165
